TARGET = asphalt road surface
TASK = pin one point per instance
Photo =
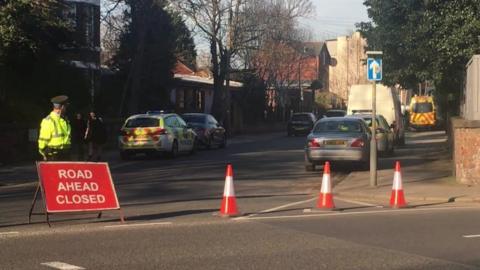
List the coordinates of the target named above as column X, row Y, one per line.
column 171, row 208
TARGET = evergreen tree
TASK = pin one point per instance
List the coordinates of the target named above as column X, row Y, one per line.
column 424, row 40
column 31, row 33
column 153, row 40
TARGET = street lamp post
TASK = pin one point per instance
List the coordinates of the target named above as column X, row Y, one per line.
column 374, row 74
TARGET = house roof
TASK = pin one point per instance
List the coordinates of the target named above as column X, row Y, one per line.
column 202, row 80
column 181, row 68
column 313, row 48
column 332, row 47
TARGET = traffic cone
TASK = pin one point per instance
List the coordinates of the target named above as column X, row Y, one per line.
column 397, row 200
column 229, row 202
column 325, row 200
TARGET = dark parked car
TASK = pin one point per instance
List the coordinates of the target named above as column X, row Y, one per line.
column 335, row 113
column 209, row 131
column 300, row 123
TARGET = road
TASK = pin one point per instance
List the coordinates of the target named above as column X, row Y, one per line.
column 171, row 208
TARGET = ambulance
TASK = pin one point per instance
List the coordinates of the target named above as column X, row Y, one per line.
column 422, row 113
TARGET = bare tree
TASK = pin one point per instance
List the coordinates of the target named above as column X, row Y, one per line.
column 112, row 25
column 279, row 52
column 232, row 27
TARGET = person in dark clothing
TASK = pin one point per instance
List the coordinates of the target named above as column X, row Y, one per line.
column 79, row 127
column 96, row 136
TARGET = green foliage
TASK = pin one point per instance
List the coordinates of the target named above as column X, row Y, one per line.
column 29, row 26
column 184, row 44
column 153, row 40
column 30, row 35
column 424, row 40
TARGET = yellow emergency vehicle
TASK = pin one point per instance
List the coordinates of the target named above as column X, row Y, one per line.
column 422, row 112
column 156, row 132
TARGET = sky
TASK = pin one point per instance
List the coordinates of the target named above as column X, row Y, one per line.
column 334, row 18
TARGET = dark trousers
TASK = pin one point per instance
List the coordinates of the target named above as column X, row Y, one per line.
column 78, row 151
column 59, row 155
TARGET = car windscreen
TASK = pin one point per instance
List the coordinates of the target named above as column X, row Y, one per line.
column 422, row 107
column 368, row 120
column 335, row 114
column 301, row 117
column 199, row 119
column 338, row 126
column 142, row 122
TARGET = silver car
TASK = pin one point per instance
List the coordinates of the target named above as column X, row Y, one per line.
column 384, row 134
column 338, row 139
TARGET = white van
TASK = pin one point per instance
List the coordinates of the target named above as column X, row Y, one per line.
column 388, row 105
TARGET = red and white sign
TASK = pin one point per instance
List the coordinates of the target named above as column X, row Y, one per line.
column 77, row 186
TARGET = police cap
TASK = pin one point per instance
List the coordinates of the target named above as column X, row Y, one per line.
column 60, row 100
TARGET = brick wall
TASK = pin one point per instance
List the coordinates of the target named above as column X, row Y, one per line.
column 465, row 143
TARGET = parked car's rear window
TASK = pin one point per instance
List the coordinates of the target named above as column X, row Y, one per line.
column 338, row 126
column 335, row 113
column 194, row 118
column 368, row 120
column 301, row 117
column 142, row 122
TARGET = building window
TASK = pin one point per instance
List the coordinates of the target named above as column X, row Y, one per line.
column 89, row 26
column 181, row 99
column 199, row 100
column 70, row 14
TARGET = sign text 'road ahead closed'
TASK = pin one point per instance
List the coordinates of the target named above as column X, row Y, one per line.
column 77, row 186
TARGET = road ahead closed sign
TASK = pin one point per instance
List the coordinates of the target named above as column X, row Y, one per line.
column 77, row 186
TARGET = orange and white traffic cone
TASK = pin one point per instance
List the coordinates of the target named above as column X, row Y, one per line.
column 229, row 202
column 397, row 200
column 325, row 200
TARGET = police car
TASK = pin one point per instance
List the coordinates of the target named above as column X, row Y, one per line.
column 156, row 132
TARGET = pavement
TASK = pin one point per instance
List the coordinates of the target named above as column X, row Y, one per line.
column 426, row 169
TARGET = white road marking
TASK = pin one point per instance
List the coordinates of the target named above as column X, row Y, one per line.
column 62, row 266
column 357, row 202
column 277, row 208
column 138, row 224
column 329, row 214
column 472, row 236
column 9, row 233
column 306, row 210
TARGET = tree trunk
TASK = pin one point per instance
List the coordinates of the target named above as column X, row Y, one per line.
column 217, row 105
column 140, row 16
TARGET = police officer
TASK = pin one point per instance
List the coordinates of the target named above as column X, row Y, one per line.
column 55, row 132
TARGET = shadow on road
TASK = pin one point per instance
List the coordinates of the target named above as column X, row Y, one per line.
column 150, row 217
column 216, row 198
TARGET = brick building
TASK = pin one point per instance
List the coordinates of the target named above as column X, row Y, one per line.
column 302, row 72
column 347, row 65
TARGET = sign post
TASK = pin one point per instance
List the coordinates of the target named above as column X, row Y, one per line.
column 374, row 74
column 68, row 187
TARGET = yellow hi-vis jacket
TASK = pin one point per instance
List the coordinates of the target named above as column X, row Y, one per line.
column 54, row 134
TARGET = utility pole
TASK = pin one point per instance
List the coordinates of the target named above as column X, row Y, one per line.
column 374, row 74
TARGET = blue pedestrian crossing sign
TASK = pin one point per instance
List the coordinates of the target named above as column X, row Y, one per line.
column 374, row 69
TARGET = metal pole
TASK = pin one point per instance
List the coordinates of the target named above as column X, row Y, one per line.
column 373, row 142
